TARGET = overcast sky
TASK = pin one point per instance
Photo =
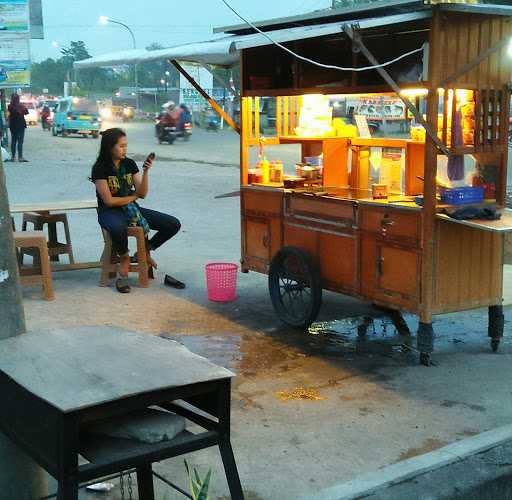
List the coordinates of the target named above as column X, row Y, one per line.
column 168, row 22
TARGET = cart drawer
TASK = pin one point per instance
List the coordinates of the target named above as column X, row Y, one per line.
column 318, row 209
column 392, row 223
column 264, row 202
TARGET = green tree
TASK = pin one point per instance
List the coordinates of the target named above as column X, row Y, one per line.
column 88, row 79
column 77, row 51
column 48, row 74
column 152, row 72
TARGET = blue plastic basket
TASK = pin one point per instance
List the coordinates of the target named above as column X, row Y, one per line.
column 314, row 161
column 462, row 195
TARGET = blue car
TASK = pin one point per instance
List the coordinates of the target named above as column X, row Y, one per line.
column 76, row 115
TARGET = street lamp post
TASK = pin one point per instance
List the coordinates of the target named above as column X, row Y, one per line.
column 105, row 20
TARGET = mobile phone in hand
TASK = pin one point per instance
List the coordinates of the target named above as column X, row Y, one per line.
column 151, row 157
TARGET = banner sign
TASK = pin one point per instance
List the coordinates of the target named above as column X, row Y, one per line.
column 14, row 16
column 191, row 97
column 14, row 62
column 380, row 108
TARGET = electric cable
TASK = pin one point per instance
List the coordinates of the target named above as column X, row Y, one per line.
column 311, row 61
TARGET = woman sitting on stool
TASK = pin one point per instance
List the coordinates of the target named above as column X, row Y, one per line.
column 119, row 184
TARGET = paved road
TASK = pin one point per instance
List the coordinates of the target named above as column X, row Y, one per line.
column 370, row 405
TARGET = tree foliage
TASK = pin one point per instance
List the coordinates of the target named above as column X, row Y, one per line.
column 151, row 73
column 52, row 73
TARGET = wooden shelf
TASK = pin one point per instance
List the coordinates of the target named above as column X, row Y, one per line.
column 294, row 139
column 380, row 142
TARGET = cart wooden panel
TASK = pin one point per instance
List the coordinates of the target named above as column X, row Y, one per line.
column 262, row 212
column 468, row 267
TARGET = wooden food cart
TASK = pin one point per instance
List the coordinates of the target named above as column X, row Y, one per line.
column 335, row 236
column 450, row 64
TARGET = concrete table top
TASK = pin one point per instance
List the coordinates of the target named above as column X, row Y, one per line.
column 83, row 367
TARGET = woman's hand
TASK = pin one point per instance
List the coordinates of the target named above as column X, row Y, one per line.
column 147, row 165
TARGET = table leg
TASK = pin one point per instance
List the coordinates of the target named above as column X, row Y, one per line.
column 145, row 483
column 68, row 470
column 52, row 239
column 228, row 459
column 68, row 489
column 226, row 451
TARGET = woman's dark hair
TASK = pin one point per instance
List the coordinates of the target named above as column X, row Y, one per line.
column 15, row 102
column 109, row 138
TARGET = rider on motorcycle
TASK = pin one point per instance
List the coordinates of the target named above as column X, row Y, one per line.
column 185, row 117
column 167, row 119
column 45, row 117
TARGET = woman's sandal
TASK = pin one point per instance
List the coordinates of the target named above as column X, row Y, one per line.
column 122, row 284
column 173, row 282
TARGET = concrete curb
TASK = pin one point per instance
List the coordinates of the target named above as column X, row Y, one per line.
column 370, row 483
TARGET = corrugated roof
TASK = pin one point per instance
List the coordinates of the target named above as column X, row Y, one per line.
column 226, row 51
column 373, row 9
column 379, row 7
column 490, row 9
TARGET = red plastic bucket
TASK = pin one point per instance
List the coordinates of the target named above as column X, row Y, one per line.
column 221, row 281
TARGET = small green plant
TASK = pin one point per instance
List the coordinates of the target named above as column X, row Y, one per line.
column 198, row 487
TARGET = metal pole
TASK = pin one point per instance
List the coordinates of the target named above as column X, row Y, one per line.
column 20, row 477
column 136, row 88
column 134, row 46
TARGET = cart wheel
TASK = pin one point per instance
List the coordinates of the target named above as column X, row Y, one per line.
column 425, row 359
column 495, row 345
column 54, row 132
column 295, row 287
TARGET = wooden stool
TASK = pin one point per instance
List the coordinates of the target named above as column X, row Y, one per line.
column 110, row 261
column 37, row 274
column 38, row 220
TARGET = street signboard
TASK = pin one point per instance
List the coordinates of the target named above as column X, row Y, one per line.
column 36, row 19
column 14, row 44
column 14, row 62
column 14, row 16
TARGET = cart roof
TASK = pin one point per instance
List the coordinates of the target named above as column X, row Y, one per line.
column 225, row 51
column 373, row 9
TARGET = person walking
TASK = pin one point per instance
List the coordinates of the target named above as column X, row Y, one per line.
column 17, row 125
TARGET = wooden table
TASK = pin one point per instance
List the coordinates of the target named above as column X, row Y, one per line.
column 55, row 384
column 58, row 206
column 53, row 206
column 503, row 225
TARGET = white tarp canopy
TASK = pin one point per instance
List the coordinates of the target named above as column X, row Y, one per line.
column 226, row 51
